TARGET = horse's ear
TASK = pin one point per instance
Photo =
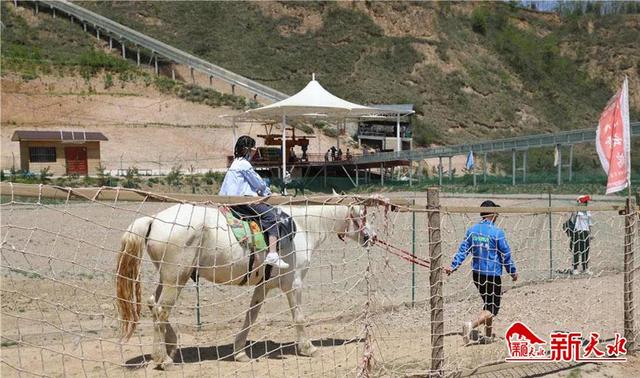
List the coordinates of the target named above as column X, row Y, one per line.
column 334, row 192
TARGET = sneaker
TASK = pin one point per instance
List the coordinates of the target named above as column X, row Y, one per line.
column 466, row 332
column 588, row 272
column 274, row 259
column 483, row 340
column 575, row 272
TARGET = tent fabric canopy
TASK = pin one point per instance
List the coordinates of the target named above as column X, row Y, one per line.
column 313, row 102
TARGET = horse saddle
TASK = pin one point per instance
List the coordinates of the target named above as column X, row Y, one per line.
column 247, row 232
column 250, row 235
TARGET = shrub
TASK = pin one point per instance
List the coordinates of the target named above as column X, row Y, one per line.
column 88, row 181
column 92, row 61
column 330, row 132
column 104, row 179
column 108, row 81
column 174, row 177
column 131, row 178
column 425, row 134
column 480, row 20
column 43, row 176
column 211, row 177
column 164, row 84
column 304, row 127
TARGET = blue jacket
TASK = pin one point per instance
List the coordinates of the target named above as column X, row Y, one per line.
column 488, row 244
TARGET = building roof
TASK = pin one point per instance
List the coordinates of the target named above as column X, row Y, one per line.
column 393, row 110
column 63, row 136
column 403, row 109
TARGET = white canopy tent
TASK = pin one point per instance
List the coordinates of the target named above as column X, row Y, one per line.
column 311, row 102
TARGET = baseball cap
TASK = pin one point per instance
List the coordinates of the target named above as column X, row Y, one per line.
column 488, row 203
column 584, row 199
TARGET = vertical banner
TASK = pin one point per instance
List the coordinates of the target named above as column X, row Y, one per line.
column 613, row 141
column 470, row 162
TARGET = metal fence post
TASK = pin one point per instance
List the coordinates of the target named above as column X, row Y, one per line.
column 413, row 253
column 629, row 332
column 435, row 283
column 198, row 321
column 513, row 167
column 550, row 239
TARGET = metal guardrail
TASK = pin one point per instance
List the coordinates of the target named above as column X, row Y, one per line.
column 507, row 144
column 122, row 32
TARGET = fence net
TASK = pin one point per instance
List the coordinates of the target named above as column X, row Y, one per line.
column 566, row 283
column 365, row 309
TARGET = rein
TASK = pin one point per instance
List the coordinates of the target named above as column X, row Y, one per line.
column 405, row 255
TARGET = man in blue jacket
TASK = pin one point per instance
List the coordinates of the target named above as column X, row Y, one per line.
column 488, row 245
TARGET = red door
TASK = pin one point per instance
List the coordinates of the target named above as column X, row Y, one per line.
column 76, row 160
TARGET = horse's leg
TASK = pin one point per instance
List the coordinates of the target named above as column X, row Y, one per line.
column 294, row 296
column 151, row 302
column 252, row 314
column 164, row 337
column 171, row 338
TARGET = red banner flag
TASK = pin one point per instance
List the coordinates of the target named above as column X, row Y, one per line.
column 613, row 140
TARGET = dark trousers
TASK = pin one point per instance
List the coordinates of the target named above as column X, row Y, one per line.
column 490, row 288
column 580, row 249
column 264, row 213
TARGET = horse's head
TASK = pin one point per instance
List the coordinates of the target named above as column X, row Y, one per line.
column 356, row 227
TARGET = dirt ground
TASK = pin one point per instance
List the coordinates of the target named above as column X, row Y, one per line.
column 59, row 319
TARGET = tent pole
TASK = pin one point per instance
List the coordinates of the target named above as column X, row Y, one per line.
column 338, row 137
column 284, row 146
column 235, row 133
column 398, row 143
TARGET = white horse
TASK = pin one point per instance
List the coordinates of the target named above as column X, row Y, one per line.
column 185, row 237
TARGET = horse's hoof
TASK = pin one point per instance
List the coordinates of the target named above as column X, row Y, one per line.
column 165, row 364
column 241, row 357
column 308, row 350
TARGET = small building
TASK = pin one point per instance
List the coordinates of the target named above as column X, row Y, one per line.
column 381, row 132
column 64, row 152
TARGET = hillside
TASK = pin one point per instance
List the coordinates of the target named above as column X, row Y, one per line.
column 473, row 70
column 54, row 77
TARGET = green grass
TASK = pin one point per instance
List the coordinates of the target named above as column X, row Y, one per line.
column 55, row 45
column 26, row 273
column 536, row 184
column 58, row 46
column 585, row 160
column 240, row 37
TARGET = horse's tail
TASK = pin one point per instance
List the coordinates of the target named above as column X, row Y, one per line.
column 128, row 289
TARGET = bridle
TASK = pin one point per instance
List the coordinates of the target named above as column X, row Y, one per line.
column 358, row 222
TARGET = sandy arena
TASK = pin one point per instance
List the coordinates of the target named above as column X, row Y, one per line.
column 59, row 318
